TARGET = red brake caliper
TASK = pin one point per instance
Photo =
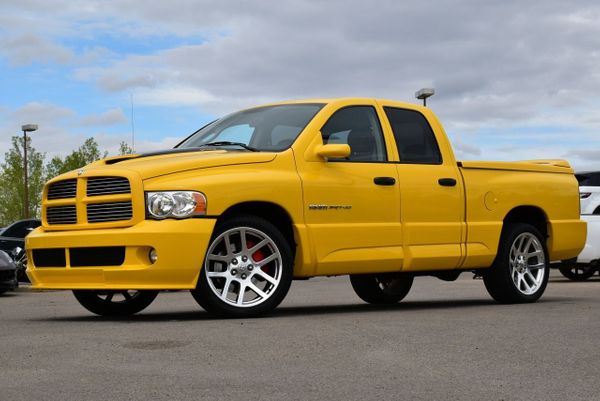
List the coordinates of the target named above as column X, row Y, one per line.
column 258, row 255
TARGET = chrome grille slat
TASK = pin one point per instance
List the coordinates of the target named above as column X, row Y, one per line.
column 62, row 189
column 97, row 186
column 98, row 210
column 113, row 211
column 61, row 215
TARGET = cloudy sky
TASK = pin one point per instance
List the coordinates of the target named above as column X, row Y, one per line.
column 513, row 79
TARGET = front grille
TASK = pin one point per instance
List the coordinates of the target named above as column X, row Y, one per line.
column 97, row 186
column 62, row 189
column 50, row 257
column 89, row 200
column 79, row 257
column 61, row 215
column 114, row 211
column 97, row 256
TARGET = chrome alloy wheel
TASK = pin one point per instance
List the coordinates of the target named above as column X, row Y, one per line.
column 527, row 263
column 243, row 266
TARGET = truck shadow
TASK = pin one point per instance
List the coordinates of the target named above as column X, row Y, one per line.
column 312, row 310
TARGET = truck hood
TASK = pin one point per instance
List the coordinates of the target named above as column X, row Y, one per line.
column 155, row 164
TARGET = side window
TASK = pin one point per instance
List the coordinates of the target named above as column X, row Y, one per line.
column 414, row 137
column 357, row 126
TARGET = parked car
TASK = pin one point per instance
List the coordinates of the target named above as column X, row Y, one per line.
column 361, row 187
column 12, row 241
column 587, row 263
column 8, row 273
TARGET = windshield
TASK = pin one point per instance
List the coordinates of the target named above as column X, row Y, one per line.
column 270, row 128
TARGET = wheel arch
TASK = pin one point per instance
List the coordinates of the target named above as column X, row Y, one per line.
column 272, row 212
column 533, row 215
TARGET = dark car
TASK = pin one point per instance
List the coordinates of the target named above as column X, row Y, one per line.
column 8, row 273
column 12, row 241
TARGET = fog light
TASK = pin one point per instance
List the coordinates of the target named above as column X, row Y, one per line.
column 153, row 255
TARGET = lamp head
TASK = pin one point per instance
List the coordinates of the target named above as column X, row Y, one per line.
column 29, row 127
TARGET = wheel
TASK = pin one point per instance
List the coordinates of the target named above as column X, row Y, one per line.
column 3, row 290
column 521, row 270
column 247, row 269
column 388, row 288
column 21, row 263
column 115, row 303
column 578, row 272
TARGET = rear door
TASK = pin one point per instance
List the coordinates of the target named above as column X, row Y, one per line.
column 432, row 195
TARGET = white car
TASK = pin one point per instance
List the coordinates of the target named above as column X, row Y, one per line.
column 588, row 261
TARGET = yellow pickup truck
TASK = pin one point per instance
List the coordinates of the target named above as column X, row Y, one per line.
column 361, row 187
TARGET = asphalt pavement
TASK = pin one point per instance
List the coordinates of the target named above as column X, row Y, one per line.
column 445, row 341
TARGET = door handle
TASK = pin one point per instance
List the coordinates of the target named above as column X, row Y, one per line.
column 384, row 180
column 447, row 182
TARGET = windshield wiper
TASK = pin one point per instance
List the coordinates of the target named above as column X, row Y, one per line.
column 228, row 143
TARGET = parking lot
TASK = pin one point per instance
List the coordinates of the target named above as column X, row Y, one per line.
column 446, row 341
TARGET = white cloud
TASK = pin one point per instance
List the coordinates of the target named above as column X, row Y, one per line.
column 40, row 113
column 109, row 117
column 26, row 49
column 515, row 66
column 463, row 149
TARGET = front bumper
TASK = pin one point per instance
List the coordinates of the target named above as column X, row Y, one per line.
column 180, row 246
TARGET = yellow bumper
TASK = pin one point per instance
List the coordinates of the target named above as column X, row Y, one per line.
column 180, row 246
column 567, row 238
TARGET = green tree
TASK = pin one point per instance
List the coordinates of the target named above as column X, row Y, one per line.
column 12, row 182
column 125, row 149
column 85, row 154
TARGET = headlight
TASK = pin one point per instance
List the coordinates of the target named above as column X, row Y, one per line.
column 177, row 204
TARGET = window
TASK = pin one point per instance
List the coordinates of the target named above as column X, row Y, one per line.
column 414, row 137
column 588, row 179
column 237, row 133
column 358, row 127
column 269, row 128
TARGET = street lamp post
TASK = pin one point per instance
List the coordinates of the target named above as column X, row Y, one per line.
column 26, row 128
column 424, row 93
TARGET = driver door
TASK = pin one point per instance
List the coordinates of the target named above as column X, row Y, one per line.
column 352, row 205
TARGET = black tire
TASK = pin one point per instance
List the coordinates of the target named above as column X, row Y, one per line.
column 105, row 303
column 3, row 290
column 500, row 278
column 248, row 269
column 20, row 259
column 382, row 289
column 578, row 272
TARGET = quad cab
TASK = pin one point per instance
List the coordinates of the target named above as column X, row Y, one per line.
column 361, row 187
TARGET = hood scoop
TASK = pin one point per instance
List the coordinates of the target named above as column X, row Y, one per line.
column 118, row 159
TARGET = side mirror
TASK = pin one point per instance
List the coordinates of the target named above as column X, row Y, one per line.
column 333, row 150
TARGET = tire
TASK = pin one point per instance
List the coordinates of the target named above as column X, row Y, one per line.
column 22, row 268
column 577, row 273
column 247, row 269
column 115, row 303
column 382, row 289
column 2, row 291
column 521, row 270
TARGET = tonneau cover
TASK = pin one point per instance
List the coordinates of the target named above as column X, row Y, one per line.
column 543, row 166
